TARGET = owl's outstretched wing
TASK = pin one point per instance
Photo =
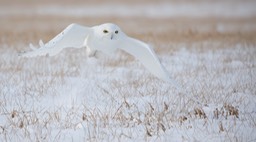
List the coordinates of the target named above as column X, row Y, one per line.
column 72, row 36
column 146, row 56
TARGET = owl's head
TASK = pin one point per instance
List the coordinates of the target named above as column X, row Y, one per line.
column 108, row 31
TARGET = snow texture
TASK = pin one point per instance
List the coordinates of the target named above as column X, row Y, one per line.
column 76, row 99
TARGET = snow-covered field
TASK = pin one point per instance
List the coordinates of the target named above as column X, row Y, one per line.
column 70, row 97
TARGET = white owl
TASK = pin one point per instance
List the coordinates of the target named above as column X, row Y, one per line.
column 106, row 38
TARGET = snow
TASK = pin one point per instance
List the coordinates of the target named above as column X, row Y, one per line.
column 96, row 102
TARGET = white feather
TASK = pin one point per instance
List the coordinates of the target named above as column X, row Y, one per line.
column 146, row 56
column 72, row 36
column 41, row 43
column 32, row 46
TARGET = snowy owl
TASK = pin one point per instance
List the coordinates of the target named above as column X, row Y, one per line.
column 106, row 38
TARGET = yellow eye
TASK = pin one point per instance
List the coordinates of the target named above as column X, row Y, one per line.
column 105, row 31
column 116, row 32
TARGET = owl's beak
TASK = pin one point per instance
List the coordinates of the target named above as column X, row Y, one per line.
column 111, row 36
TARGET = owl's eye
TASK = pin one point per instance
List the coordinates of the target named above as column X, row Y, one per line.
column 105, row 31
column 116, row 31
